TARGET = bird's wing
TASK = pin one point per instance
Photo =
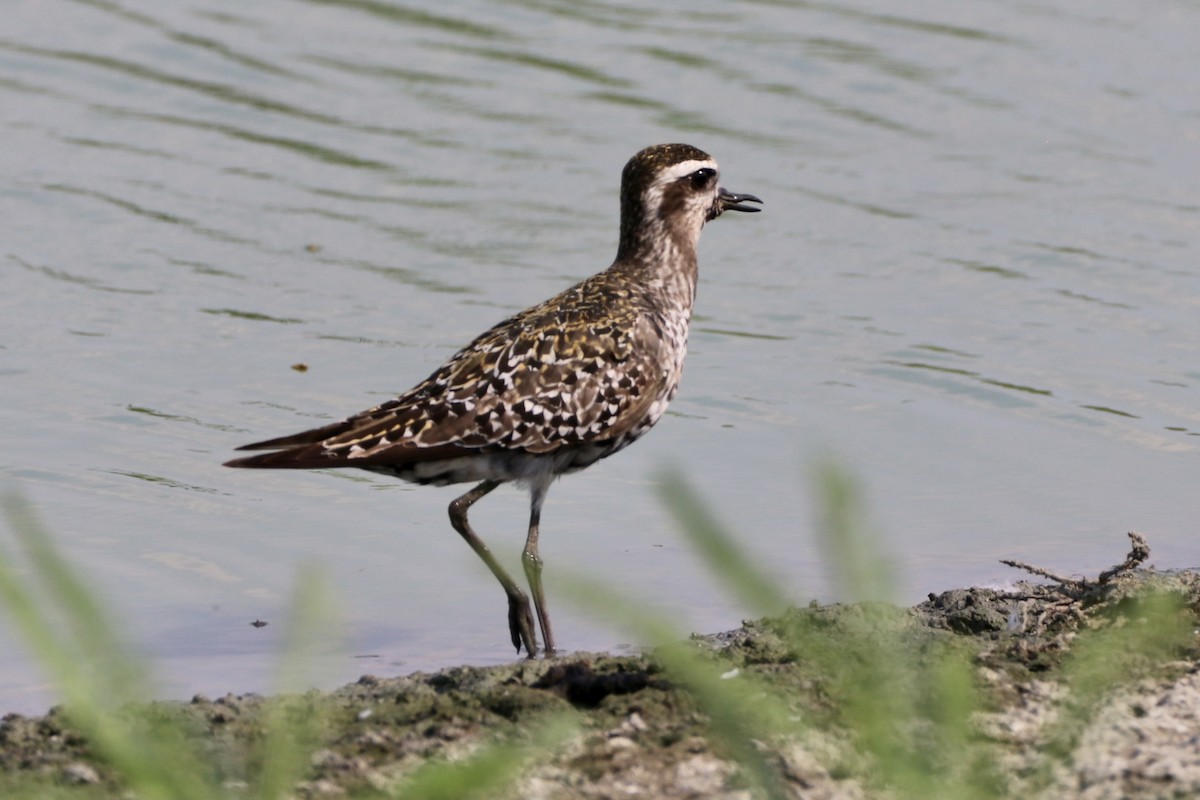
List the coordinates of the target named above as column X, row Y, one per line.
column 566, row 372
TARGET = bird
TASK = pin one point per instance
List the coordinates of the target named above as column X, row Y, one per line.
column 552, row 389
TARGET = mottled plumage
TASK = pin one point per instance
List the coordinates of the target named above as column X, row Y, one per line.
column 554, row 388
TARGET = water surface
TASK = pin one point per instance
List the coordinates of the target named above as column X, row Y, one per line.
column 974, row 282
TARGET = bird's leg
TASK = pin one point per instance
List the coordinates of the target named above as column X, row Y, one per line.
column 520, row 620
column 532, row 562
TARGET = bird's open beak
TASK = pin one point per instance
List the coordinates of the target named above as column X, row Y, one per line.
column 734, row 202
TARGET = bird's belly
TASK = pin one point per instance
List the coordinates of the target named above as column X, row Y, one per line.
column 513, row 465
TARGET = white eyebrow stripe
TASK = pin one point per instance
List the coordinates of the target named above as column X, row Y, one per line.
column 677, row 171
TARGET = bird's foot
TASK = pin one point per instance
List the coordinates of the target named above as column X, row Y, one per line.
column 520, row 625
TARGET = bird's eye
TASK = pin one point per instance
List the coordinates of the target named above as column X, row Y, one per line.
column 703, row 177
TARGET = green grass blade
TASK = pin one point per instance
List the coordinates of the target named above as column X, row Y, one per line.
column 35, row 627
column 91, row 634
column 91, row 670
column 719, row 550
column 908, row 698
column 850, row 551
column 740, row 709
column 294, row 722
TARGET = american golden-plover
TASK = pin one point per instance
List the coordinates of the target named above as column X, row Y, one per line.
column 554, row 388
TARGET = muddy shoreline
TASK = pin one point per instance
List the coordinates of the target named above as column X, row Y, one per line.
column 634, row 730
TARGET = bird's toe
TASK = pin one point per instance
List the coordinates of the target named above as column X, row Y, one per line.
column 520, row 625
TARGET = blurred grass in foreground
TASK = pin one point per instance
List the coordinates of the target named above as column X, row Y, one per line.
column 906, row 711
column 106, row 696
column 901, row 701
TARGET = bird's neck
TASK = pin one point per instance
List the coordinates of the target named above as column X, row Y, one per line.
column 665, row 270
column 661, row 259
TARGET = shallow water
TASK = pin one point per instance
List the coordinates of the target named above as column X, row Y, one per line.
column 974, row 282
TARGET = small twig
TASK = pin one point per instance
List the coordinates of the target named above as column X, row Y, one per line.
column 1074, row 583
column 1139, row 551
column 1065, row 602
